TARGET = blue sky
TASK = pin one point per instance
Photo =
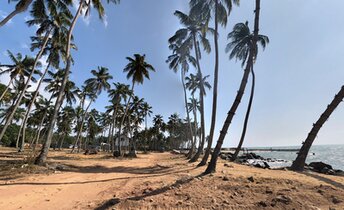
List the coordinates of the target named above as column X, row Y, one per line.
column 296, row 76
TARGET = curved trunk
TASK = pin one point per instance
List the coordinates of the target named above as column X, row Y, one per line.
column 212, row 165
column 62, row 140
column 81, row 127
column 44, row 152
column 5, row 91
column 214, row 106
column 30, row 106
column 299, row 162
column 7, row 123
column 16, row 12
column 201, row 95
column 123, row 118
column 247, row 116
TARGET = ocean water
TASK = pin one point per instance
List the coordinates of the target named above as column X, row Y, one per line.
column 330, row 154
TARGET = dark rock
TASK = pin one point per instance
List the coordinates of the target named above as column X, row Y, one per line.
column 251, row 179
column 227, row 165
column 266, row 165
column 91, row 152
column 268, row 191
column 320, row 166
column 335, row 200
column 116, row 154
column 225, row 178
column 262, row 204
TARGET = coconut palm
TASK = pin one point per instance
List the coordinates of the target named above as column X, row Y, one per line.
column 20, row 7
column 194, row 83
column 158, row 126
column 98, row 83
column 137, row 70
column 220, row 10
column 194, row 107
column 239, row 48
column 65, row 119
column 83, row 4
column 299, row 162
column 249, row 65
column 180, row 59
column 146, row 112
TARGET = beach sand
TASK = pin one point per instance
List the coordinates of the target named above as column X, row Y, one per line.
column 159, row 181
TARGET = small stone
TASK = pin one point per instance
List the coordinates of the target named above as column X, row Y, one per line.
column 262, row 204
column 251, row 179
column 213, row 200
column 151, row 200
column 226, row 202
column 335, row 200
column 225, row 178
column 268, row 191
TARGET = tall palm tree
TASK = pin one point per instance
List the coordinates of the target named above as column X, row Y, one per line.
column 146, row 112
column 137, row 69
column 98, row 83
column 158, row 126
column 121, row 91
column 239, row 48
column 180, row 59
column 299, row 162
column 197, row 82
column 97, row 4
column 194, row 107
column 220, row 9
column 249, row 65
column 66, row 118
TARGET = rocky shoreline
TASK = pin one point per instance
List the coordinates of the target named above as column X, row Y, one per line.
column 258, row 161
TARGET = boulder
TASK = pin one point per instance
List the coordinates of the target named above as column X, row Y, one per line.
column 320, row 167
column 91, row 152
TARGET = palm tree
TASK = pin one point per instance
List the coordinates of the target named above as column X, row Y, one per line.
column 20, row 68
column 98, row 83
column 158, row 125
column 180, row 59
column 249, row 65
column 121, row 91
column 146, row 112
column 197, row 82
column 239, row 48
column 65, row 119
column 194, row 107
column 20, row 7
column 299, row 162
column 190, row 36
column 137, row 69
column 26, row 85
column 83, row 4
column 221, row 10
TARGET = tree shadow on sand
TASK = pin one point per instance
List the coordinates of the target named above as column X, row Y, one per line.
column 178, row 183
column 324, row 179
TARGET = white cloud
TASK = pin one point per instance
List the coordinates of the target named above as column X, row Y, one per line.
column 85, row 18
column 105, row 21
column 44, row 62
column 24, row 46
column 27, row 18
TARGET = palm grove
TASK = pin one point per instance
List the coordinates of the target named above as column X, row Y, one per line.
column 66, row 117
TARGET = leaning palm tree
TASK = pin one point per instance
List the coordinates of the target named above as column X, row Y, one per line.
column 137, row 69
column 220, row 9
column 239, row 48
column 20, row 7
column 83, row 4
column 98, row 83
column 299, row 162
column 181, row 58
column 197, row 82
column 249, row 65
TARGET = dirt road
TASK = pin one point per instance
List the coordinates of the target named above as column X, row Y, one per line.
column 162, row 180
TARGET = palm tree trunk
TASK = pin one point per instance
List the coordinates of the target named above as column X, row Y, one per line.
column 38, row 56
column 300, row 160
column 7, row 87
column 201, row 95
column 212, row 165
column 81, row 127
column 30, row 106
column 110, row 135
column 247, row 116
column 123, row 118
column 16, row 12
column 62, row 140
column 216, row 75
column 41, row 159
column 187, row 112
column 113, row 130
column 18, row 137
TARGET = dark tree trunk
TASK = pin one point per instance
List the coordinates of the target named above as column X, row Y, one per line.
column 247, row 116
column 17, row 11
column 216, row 73
column 41, row 159
column 212, row 165
column 300, row 160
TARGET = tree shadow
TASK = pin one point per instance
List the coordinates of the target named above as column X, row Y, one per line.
column 324, row 179
column 156, row 169
column 158, row 191
column 96, row 181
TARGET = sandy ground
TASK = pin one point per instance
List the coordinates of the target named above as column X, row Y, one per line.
column 159, row 181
